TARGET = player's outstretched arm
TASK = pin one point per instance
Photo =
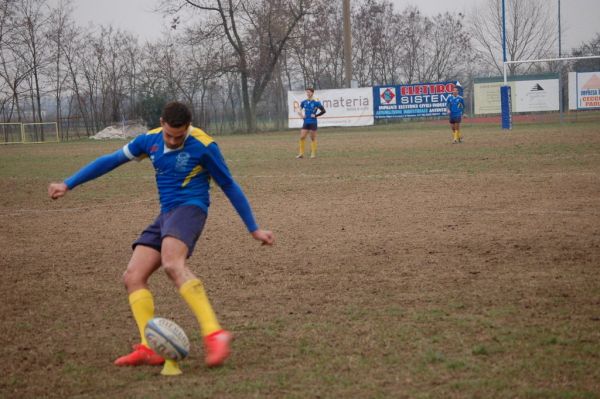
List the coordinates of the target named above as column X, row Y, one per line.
column 215, row 164
column 57, row 190
column 94, row 169
column 267, row 237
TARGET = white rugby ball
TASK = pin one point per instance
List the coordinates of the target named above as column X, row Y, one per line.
column 166, row 338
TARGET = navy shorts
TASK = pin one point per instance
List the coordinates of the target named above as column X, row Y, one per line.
column 184, row 223
column 309, row 126
column 455, row 119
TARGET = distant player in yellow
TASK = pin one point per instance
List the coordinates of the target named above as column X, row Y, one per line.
column 455, row 107
column 308, row 111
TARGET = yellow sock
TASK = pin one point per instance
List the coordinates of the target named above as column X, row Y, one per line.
column 458, row 134
column 454, row 137
column 142, row 307
column 313, row 147
column 302, row 143
column 195, row 296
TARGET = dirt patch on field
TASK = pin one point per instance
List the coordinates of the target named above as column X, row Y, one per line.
column 404, row 267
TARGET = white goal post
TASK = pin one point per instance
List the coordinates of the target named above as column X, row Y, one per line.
column 11, row 133
column 506, row 63
column 29, row 133
column 505, row 95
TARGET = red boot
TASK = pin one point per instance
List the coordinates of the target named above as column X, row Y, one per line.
column 141, row 355
column 216, row 348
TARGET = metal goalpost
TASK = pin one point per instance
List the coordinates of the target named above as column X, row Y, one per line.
column 34, row 133
column 11, row 133
column 29, row 133
column 505, row 94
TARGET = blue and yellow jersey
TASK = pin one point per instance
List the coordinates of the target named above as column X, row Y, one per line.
column 183, row 175
column 456, row 105
column 310, row 108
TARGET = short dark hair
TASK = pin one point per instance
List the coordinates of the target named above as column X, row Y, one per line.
column 176, row 114
column 310, row 89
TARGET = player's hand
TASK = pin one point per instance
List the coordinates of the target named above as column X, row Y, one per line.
column 265, row 236
column 57, row 190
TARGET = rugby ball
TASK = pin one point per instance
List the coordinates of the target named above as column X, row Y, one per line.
column 166, row 338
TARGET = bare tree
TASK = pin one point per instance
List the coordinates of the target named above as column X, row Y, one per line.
column 206, row 62
column 72, row 47
column 447, row 49
column 391, row 47
column 530, row 32
column 116, row 71
column 225, row 60
column 315, row 55
column 6, row 91
column 413, row 38
column 60, row 20
column 377, row 48
column 587, row 49
column 100, row 71
column 257, row 32
column 33, row 19
column 12, row 68
column 162, row 75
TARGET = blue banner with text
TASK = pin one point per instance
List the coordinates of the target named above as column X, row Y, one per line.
column 415, row 100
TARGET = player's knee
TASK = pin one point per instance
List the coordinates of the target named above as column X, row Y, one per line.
column 131, row 278
column 173, row 269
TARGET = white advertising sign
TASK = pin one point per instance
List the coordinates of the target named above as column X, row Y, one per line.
column 345, row 107
column 584, row 90
column 572, row 90
column 487, row 97
column 536, row 95
column 527, row 96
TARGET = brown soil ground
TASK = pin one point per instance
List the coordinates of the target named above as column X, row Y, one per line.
column 404, row 267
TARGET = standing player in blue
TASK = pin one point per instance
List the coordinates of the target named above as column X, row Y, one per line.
column 455, row 107
column 185, row 160
column 308, row 112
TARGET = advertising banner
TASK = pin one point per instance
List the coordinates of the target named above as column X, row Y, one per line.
column 487, row 97
column 345, row 107
column 528, row 94
column 584, row 90
column 410, row 101
column 537, row 95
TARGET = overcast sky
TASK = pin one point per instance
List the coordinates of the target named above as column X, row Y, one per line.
column 580, row 18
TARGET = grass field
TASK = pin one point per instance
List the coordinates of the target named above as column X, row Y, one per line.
column 405, row 267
